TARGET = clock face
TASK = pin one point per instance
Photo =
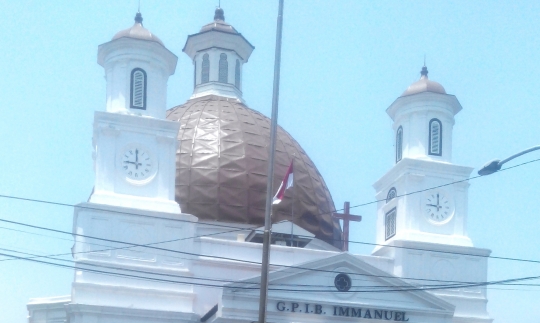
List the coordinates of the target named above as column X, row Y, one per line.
column 438, row 207
column 137, row 164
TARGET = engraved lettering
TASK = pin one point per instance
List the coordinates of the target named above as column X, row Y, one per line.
column 356, row 312
column 378, row 314
column 318, row 309
column 343, row 311
column 294, row 306
column 367, row 315
column 386, row 315
column 280, row 306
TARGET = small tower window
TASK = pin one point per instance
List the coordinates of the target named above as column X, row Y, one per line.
column 392, row 193
column 390, row 224
column 237, row 74
column 223, row 69
column 205, row 73
column 138, row 89
column 399, row 143
column 194, row 73
column 435, row 137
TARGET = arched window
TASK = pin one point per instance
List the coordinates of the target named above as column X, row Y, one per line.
column 205, row 73
column 435, row 137
column 194, row 73
column 237, row 74
column 390, row 224
column 138, row 89
column 399, row 143
column 223, row 69
column 392, row 193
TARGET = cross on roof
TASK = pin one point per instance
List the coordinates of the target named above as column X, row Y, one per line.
column 346, row 217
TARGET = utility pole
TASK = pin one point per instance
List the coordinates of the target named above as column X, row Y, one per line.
column 270, row 172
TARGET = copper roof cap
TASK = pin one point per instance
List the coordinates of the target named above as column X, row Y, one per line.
column 137, row 31
column 424, row 85
column 219, row 23
column 222, row 162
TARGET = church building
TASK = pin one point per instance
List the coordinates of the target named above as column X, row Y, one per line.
column 173, row 229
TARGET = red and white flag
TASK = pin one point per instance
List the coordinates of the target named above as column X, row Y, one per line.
column 285, row 184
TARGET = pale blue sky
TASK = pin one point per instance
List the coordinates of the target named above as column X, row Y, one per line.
column 343, row 64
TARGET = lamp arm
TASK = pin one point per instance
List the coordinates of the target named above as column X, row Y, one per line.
column 519, row 154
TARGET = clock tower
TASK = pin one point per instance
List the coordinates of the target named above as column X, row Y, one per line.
column 423, row 120
column 135, row 145
column 422, row 208
column 131, row 227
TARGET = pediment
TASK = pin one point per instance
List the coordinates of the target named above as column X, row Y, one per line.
column 310, row 287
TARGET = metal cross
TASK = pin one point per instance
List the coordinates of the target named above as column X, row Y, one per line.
column 346, row 217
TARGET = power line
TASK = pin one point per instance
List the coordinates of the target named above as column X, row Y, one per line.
column 248, row 228
column 443, row 185
column 403, row 288
column 33, row 256
column 113, row 248
column 225, row 258
column 244, row 229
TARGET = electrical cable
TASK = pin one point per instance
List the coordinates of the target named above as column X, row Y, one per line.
column 439, row 186
column 220, row 225
column 394, row 288
column 81, row 266
column 350, row 241
column 242, row 229
column 231, row 259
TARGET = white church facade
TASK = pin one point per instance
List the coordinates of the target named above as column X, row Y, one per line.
column 169, row 233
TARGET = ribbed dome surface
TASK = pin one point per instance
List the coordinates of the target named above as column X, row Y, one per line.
column 222, row 165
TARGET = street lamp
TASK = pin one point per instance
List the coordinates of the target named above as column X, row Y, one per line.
column 496, row 164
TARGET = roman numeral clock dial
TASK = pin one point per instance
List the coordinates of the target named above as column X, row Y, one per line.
column 438, row 207
column 137, row 164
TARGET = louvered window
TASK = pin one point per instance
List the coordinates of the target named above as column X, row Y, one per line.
column 205, row 73
column 237, row 74
column 399, row 144
column 392, row 193
column 390, row 223
column 223, row 69
column 194, row 73
column 138, row 89
column 435, row 137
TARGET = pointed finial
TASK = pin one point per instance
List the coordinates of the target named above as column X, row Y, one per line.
column 424, row 71
column 139, row 8
column 138, row 18
column 219, row 14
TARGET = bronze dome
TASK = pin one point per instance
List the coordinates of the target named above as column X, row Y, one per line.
column 219, row 24
column 137, row 31
column 221, row 169
column 424, row 84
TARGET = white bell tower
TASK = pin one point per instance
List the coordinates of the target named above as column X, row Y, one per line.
column 423, row 120
column 422, row 219
column 132, row 229
column 134, row 144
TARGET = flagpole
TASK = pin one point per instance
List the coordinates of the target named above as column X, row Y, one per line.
column 292, row 206
column 270, row 173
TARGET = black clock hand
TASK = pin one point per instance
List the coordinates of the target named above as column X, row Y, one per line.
column 137, row 160
column 431, row 205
